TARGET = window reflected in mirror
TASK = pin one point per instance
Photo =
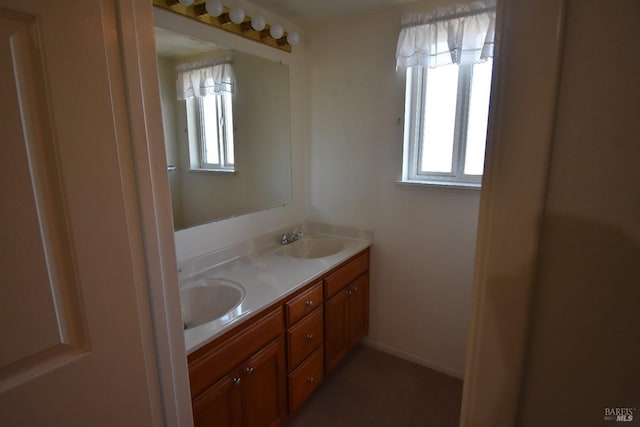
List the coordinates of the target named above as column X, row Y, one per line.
column 226, row 123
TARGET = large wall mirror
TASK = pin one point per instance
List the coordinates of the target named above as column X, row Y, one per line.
column 228, row 151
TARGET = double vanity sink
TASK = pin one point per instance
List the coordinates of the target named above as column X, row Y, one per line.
column 266, row 323
column 218, row 298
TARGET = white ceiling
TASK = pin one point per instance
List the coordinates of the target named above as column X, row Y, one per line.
column 306, row 12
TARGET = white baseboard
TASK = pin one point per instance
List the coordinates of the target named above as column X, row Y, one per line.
column 412, row 358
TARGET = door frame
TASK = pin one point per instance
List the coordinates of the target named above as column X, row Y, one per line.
column 522, row 121
column 529, row 40
column 139, row 68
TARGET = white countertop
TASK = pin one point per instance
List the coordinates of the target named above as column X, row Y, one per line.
column 267, row 276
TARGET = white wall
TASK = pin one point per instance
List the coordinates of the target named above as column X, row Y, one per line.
column 422, row 258
column 201, row 239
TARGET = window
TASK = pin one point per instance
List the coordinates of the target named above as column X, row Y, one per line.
column 208, row 86
column 448, row 57
column 213, row 132
column 446, row 122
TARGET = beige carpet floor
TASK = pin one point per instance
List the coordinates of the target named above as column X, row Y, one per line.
column 372, row 389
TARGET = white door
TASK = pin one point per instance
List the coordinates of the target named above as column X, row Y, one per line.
column 76, row 346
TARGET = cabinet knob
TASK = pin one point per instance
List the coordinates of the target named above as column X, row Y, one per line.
column 309, row 337
column 310, row 380
column 309, row 303
column 348, row 291
column 237, row 381
column 354, row 288
column 250, row 370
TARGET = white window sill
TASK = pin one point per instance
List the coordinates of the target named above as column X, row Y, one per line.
column 442, row 184
column 225, row 171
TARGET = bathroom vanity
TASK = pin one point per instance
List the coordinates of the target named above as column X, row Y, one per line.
column 302, row 314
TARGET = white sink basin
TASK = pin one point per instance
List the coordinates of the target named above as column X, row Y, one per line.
column 209, row 300
column 313, row 247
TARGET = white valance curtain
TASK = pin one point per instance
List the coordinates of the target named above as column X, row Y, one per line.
column 458, row 34
column 207, row 77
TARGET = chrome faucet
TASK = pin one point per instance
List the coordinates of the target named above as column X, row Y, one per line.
column 295, row 234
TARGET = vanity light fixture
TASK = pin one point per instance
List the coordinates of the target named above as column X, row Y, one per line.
column 233, row 20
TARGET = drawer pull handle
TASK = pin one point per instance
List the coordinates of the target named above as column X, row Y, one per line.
column 237, row 381
column 309, row 337
column 310, row 380
column 349, row 291
column 250, row 370
column 309, row 303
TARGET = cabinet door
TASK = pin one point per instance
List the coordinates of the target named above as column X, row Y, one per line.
column 358, row 309
column 221, row 404
column 336, row 329
column 264, row 386
column 346, row 320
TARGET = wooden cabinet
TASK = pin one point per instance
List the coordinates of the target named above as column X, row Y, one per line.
column 247, row 377
column 241, row 381
column 346, row 309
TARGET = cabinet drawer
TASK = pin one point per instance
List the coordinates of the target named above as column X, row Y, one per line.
column 304, row 304
column 304, row 338
column 304, row 380
column 346, row 274
column 210, row 365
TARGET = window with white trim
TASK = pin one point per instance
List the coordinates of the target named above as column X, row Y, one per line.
column 448, row 60
column 213, row 131
column 207, row 86
column 446, row 122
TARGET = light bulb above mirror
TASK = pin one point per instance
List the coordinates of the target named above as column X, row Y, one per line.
column 258, row 23
column 236, row 14
column 276, row 31
column 293, row 38
column 214, row 8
